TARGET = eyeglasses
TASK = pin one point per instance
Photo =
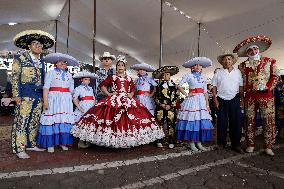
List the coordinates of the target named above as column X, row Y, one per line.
column 36, row 43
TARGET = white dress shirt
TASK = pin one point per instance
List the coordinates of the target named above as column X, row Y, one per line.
column 227, row 83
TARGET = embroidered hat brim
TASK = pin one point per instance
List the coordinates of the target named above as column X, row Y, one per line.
column 24, row 39
column 165, row 69
column 263, row 42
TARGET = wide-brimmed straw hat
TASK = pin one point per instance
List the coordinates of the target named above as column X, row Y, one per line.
column 233, row 55
column 24, row 39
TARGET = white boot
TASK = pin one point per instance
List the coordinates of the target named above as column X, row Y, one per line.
column 192, row 147
column 50, row 149
column 269, row 152
column 65, row 148
column 23, row 155
column 200, row 147
column 250, row 149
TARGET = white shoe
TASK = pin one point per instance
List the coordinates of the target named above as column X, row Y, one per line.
column 64, row 148
column 50, row 149
column 36, row 149
column 200, row 147
column 171, row 146
column 192, row 147
column 269, row 152
column 250, row 149
column 82, row 144
column 23, row 155
column 159, row 145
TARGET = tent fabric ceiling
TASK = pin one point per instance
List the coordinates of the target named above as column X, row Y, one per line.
column 131, row 27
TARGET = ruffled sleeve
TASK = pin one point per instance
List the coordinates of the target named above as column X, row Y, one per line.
column 184, row 79
column 48, row 79
column 107, row 82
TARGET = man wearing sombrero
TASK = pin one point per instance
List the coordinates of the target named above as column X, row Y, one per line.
column 227, row 92
column 166, row 98
column 260, row 75
column 103, row 72
column 27, row 81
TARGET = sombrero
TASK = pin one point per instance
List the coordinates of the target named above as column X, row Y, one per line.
column 165, row 69
column 262, row 41
column 55, row 57
column 85, row 73
column 24, row 39
column 143, row 66
column 203, row 61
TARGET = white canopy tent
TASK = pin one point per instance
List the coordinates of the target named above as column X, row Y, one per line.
column 132, row 27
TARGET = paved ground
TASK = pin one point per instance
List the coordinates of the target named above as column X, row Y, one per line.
column 142, row 167
column 146, row 167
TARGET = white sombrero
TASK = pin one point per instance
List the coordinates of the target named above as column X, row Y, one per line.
column 55, row 57
column 107, row 55
column 143, row 66
column 85, row 73
column 203, row 61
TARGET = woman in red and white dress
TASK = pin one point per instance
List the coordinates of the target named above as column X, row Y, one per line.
column 119, row 120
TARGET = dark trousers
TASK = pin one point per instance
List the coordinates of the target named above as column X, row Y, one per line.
column 229, row 114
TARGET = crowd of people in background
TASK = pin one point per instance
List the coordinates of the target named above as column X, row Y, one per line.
column 119, row 112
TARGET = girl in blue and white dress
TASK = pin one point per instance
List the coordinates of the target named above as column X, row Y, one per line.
column 145, row 86
column 57, row 117
column 87, row 99
column 194, row 121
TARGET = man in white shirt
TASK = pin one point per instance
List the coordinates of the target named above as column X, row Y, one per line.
column 227, row 95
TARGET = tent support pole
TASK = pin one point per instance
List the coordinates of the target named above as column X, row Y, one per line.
column 68, row 30
column 56, row 25
column 161, row 35
column 94, row 35
column 198, row 45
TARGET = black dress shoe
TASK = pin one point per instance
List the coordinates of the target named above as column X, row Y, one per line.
column 238, row 149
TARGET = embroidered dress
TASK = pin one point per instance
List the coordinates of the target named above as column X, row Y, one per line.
column 194, row 121
column 87, row 100
column 57, row 121
column 143, row 85
column 118, row 121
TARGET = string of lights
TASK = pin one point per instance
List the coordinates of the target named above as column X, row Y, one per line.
column 189, row 18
